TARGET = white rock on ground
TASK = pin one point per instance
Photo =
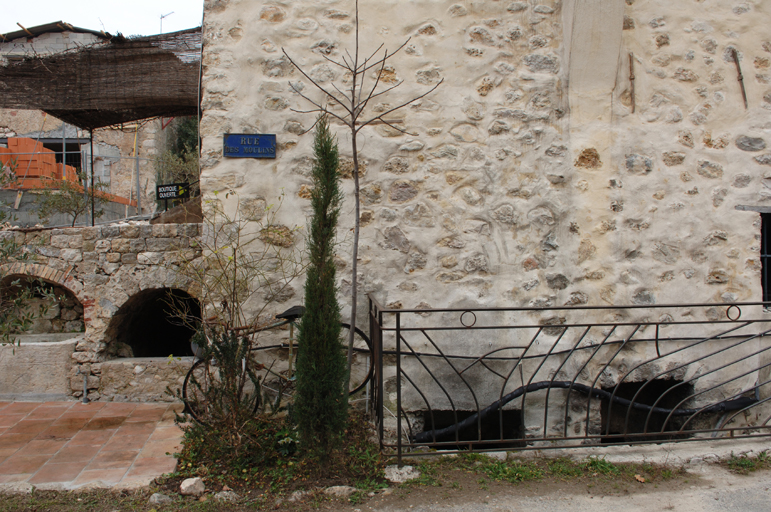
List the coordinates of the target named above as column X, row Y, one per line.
column 340, row 491
column 226, row 496
column 192, row 487
column 159, row 498
column 397, row 475
column 298, row 495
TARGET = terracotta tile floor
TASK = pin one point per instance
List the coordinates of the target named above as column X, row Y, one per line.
column 70, row 444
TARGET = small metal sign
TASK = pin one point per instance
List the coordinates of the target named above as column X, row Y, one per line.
column 245, row 145
column 172, row 191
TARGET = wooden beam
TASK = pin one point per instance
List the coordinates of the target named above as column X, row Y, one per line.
column 25, row 29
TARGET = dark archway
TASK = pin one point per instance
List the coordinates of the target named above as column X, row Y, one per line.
column 149, row 324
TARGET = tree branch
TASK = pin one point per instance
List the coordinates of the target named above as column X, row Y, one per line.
column 309, row 78
column 388, row 56
column 380, row 117
column 317, row 104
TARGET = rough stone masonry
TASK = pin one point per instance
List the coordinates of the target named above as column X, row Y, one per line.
column 534, row 176
column 578, row 152
column 102, row 268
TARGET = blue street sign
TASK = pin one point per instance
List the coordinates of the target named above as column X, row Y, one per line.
column 249, row 145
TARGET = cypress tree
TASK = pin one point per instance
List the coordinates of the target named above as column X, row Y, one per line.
column 321, row 399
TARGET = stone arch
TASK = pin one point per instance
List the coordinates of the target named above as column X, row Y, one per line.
column 145, row 324
column 62, row 314
column 63, row 278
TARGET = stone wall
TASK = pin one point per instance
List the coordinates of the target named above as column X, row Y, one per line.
column 142, row 380
column 102, row 267
column 533, row 176
column 528, row 180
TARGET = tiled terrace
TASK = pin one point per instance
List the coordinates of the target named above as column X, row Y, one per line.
column 70, row 444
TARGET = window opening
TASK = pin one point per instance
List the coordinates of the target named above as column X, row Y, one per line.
column 510, row 420
column 652, row 391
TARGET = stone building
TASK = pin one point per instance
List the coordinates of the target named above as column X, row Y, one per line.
column 114, row 147
column 576, row 152
column 541, row 172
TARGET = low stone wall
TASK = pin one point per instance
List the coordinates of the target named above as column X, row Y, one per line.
column 37, row 370
column 140, row 379
column 103, row 267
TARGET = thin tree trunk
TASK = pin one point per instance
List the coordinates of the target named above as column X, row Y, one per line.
column 354, row 263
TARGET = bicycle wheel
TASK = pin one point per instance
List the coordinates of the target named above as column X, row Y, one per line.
column 362, row 367
column 200, row 395
column 278, row 373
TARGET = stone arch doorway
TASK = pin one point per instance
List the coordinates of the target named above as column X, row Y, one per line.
column 54, row 307
column 148, row 324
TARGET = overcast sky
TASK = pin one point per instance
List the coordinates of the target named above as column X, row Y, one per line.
column 129, row 17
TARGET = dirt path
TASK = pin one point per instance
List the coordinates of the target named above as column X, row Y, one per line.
column 706, row 488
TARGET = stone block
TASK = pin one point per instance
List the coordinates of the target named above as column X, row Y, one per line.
column 129, row 231
column 60, row 241
column 121, row 245
column 113, row 257
column 102, row 246
column 49, row 252
column 150, row 258
column 71, row 255
column 145, row 231
column 163, row 244
column 92, row 233
column 36, row 368
column 89, row 246
column 110, row 231
column 129, row 258
column 137, row 245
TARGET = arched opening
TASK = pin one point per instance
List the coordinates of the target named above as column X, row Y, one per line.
column 150, row 324
column 52, row 307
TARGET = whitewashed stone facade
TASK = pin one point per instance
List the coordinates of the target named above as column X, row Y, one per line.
column 544, row 171
column 529, row 180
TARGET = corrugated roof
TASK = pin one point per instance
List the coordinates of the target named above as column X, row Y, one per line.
column 56, row 26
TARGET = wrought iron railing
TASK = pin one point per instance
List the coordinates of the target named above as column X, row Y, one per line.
column 534, row 378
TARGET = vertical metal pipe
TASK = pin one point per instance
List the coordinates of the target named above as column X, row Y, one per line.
column 379, row 376
column 93, row 206
column 64, row 149
column 631, row 80
column 398, row 390
column 84, row 178
column 136, row 165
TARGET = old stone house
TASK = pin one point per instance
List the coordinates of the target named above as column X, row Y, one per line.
column 578, row 153
column 114, row 147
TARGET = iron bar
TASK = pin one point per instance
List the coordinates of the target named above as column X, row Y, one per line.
column 93, row 195
column 631, row 80
column 740, row 76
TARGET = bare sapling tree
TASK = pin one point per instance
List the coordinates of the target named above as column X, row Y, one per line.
column 349, row 106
